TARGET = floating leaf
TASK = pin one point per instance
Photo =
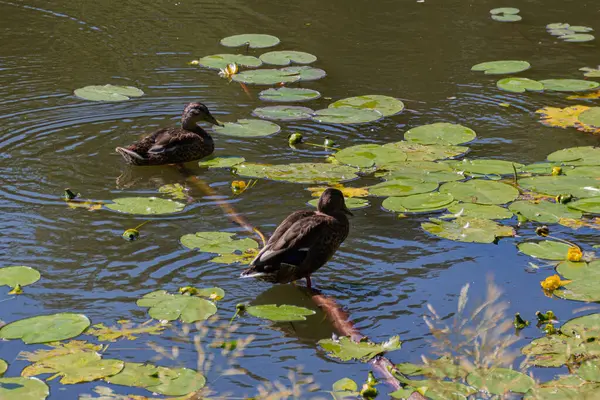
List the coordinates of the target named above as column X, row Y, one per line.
column 465, row 229
column 346, row 191
column 145, row 205
column 519, row 85
column 46, row 328
column 299, row 172
column 585, row 155
column 346, row 115
column 218, row 242
column 481, row 191
column 219, row 61
column 167, row 381
column 557, row 25
column 485, row 167
column 443, row 367
column 545, row 249
column 564, row 387
column 18, row 275
column 3, row 367
column 425, row 202
column 504, row 10
column 569, row 85
column 412, row 171
column 345, row 349
column 386, row 105
column 252, row 40
column 169, row 307
column 283, row 113
column 555, row 185
column 352, row 203
column 591, row 171
column 501, row 67
column 402, row 187
column 285, row 94
column 305, row 73
column 505, row 14
column 286, row 57
column 248, row 128
column 75, row 367
column 585, row 327
column 543, row 211
column 283, row 312
column 507, row 18
column 591, row 72
column 577, row 37
column 60, row 349
column 125, row 330
column 589, row 205
column 591, row 117
column 481, row 211
column 419, row 152
column 345, row 388
column 108, row 93
column 500, row 380
column 221, row 162
column 23, row 389
column 561, row 117
column 440, row 133
column 585, row 280
column 266, row 77
column 175, row 191
column 440, row 390
column 369, row 155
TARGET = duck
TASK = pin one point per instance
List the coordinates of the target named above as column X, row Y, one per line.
column 177, row 144
column 303, row 242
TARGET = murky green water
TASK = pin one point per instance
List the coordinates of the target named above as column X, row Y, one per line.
column 388, row 268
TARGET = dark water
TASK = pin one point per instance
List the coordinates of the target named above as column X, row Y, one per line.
column 386, row 271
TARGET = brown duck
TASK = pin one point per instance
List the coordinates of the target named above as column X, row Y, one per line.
column 174, row 145
column 303, row 242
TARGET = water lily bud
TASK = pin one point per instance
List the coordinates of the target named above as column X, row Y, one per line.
column 329, row 143
column 368, row 392
column 131, row 234
column 371, row 381
column 556, row 171
column 69, row 195
column 542, row 231
column 549, row 329
column 519, row 322
column 295, row 138
column 240, row 307
column 16, row 290
column 564, row 198
column 190, row 290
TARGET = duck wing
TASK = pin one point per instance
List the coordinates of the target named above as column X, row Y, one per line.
column 168, row 139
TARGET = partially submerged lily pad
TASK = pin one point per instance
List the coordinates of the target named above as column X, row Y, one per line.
column 219, row 61
column 221, row 162
column 424, row 202
column 500, row 380
column 443, row 367
column 299, row 172
column 569, row 85
column 305, row 73
column 501, row 67
column 519, row 85
column 266, row 77
column 465, row 229
column 285, row 94
column 18, row 275
column 386, row 105
column 543, row 211
column 75, row 367
column 286, row 57
column 108, row 93
column 345, row 349
column 169, row 307
column 145, row 205
column 419, row 152
column 346, row 115
column 485, row 166
column 578, row 186
column 481, row 191
column 590, row 205
column 283, row 113
column 369, row 155
column 23, row 389
column 545, row 249
column 440, row 133
column 248, row 128
column 483, row 211
column 402, row 187
column 217, row 242
column 46, row 328
column 280, row 313
column 252, row 40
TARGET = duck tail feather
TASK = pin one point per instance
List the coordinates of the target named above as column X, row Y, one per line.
column 128, row 153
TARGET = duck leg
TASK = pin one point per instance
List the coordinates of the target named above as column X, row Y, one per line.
column 308, row 282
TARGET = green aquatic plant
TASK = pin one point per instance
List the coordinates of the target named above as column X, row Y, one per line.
column 16, row 277
column 248, row 128
column 274, row 312
column 346, row 349
column 251, row 40
column 506, row 14
column 164, row 306
column 46, row 328
column 108, row 93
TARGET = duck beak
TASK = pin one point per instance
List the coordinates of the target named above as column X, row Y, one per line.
column 209, row 118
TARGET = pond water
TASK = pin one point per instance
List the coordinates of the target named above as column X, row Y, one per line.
column 386, row 271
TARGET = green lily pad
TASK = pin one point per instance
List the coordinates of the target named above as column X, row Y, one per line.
column 591, row 72
column 252, row 40
column 283, row 113
column 544, row 168
column 18, row 275
column 501, row 67
column 217, row 242
column 248, row 128
column 485, row 166
column 440, row 133
column 299, row 172
column 554, row 185
column 76, row 367
column 169, row 307
column 386, row 105
column 369, row 155
column 175, row 191
column 500, row 380
column 353, row 203
column 584, row 327
column 545, row 249
column 220, row 61
column 345, row 389
column 345, row 349
column 585, row 155
column 441, row 390
column 23, row 389
column 465, row 229
column 544, row 211
column 424, row 202
column 564, row 387
column 413, row 166
column 221, row 162
column 569, row 85
column 591, row 171
column 285, row 94
column 167, row 381
column 423, row 175
column 402, row 187
column 519, row 85
column 284, row 312
column 286, row 57
column 108, row 93
column 3, row 367
column 305, row 73
column 577, row 37
column 145, row 205
column 481, row 211
column 590, row 205
column 586, row 278
column 481, row 191
column 507, row 18
column 581, row 28
column 443, row 367
column 591, row 117
column 560, row 32
column 346, row 115
column 557, row 25
column 555, row 350
column 46, row 328
column 505, row 10
column 419, row 152
column 266, row 77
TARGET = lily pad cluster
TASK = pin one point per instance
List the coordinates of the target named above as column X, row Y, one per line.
column 570, row 33
column 506, row 14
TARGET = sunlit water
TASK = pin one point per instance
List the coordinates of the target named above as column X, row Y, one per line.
column 388, row 268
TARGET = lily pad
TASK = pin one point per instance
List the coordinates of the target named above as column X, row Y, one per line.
column 591, row 72
column 402, row 187
column 286, row 57
column 519, row 85
column 345, row 349
column 76, row 367
column 586, row 278
column 557, row 25
column 221, row 162
column 543, row 211
column 283, row 113
column 591, row 117
column 217, row 242
column 167, row 381
column 369, row 155
column 424, row 202
column 421, row 174
column 507, row 18
column 299, row 172
column 481, row 211
column 585, row 155
column 501, row 67
column 545, row 249
column 248, row 128
column 23, row 389
column 485, row 166
column 18, row 275
column 46, row 328
column 3, row 367
column 386, row 105
column 569, row 85
column 169, row 307
column 285, row 94
column 441, row 390
column 352, row 203
column 108, row 93
column 500, row 380
column 481, row 191
column 505, row 10
column 419, row 152
column 145, row 205
column 554, row 185
column 443, row 367
column 577, row 37
column 305, row 73
column 564, row 387
column 283, row 312
column 465, row 229
column 440, row 133
column 252, row 40
column 585, row 327
column 266, row 77
column 590, row 205
column 220, row 61
column 346, row 115
column 345, row 389
column 591, row 171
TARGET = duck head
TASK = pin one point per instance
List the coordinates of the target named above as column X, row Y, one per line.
column 332, row 202
column 197, row 112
